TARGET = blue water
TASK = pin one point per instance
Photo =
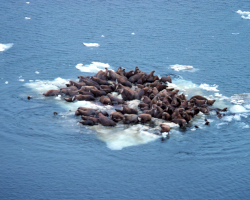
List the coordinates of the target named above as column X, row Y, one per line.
column 43, row 156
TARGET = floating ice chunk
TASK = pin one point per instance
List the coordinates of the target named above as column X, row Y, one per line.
column 181, row 67
column 93, row 67
column 6, row 82
column 21, row 79
column 132, row 33
column 37, row 72
column 207, row 87
column 27, row 18
column 193, row 129
column 217, row 95
column 91, row 44
column 58, row 97
column 31, row 80
column 4, row 47
column 238, row 102
column 238, row 109
column 28, row 2
column 244, row 14
column 102, row 36
column 247, row 106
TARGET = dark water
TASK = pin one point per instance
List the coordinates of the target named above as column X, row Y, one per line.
column 43, row 156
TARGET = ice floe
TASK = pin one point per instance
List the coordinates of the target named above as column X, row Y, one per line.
column 91, row 44
column 178, row 67
column 4, row 47
column 93, row 67
column 244, row 14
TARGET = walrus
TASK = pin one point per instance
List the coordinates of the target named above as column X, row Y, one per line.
column 105, row 121
column 199, row 97
column 142, row 80
column 71, row 90
column 127, row 110
column 166, row 116
column 120, row 71
column 176, row 102
column 98, row 93
column 198, row 102
column 144, row 118
column 161, row 87
column 186, row 116
column 154, row 84
column 158, row 112
column 143, row 106
column 116, row 116
column 105, row 100
column 100, row 81
column 89, row 82
column 51, row 93
column 165, row 79
column 115, row 99
column 129, row 74
column 81, row 97
column 130, row 119
column 86, row 93
column 135, row 77
column 150, row 77
column 93, row 119
column 101, row 75
column 78, row 85
column 146, row 100
column 107, row 88
column 180, row 122
column 88, row 122
column 164, row 128
column 87, row 88
column 90, row 112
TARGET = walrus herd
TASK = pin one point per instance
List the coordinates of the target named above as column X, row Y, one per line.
column 157, row 100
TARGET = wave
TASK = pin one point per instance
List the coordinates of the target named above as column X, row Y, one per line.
column 244, row 14
column 91, row 44
column 178, row 67
column 4, row 47
column 93, row 67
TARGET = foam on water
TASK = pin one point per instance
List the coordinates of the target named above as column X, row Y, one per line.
column 91, row 44
column 244, row 14
column 4, row 47
column 94, row 67
column 178, row 67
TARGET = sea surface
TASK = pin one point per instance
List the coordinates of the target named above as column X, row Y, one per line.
column 203, row 45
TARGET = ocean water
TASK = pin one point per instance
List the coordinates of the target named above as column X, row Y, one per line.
column 203, row 45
